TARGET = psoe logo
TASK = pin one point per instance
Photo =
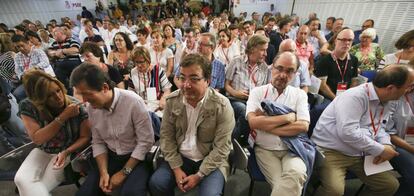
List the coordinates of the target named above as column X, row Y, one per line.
column 69, row 5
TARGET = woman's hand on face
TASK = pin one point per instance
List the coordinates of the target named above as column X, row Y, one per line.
column 70, row 111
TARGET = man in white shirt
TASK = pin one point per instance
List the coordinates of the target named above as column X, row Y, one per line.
column 284, row 172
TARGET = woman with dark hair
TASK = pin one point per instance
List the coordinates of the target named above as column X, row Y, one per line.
column 92, row 53
column 160, row 54
column 58, row 124
column 7, row 54
column 405, row 46
column 169, row 38
column 226, row 51
column 34, row 38
column 120, row 56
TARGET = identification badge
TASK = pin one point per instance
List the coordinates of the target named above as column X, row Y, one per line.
column 340, row 88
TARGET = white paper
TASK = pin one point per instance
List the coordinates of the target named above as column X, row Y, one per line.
column 315, row 84
column 370, row 168
column 151, row 94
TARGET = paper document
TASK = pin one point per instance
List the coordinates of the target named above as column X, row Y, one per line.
column 370, row 168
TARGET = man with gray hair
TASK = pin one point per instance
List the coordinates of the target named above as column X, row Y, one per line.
column 243, row 74
column 302, row 77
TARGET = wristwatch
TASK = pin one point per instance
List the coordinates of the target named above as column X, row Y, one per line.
column 126, row 171
column 201, row 175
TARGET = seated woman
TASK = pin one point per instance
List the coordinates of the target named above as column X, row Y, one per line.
column 145, row 77
column 369, row 54
column 58, row 124
column 120, row 56
column 92, row 53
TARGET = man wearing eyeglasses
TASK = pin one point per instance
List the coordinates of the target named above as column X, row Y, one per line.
column 339, row 69
column 369, row 23
column 195, row 134
column 285, row 172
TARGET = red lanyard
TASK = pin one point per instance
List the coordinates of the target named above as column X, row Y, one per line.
column 375, row 129
column 251, row 75
column 26, row 64
column 399, row 58
column 339, row 68
column 226, row 55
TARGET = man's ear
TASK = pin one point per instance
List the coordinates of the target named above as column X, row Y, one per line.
column 105, row 87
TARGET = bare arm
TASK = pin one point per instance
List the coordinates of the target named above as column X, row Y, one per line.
column 326, row 90
column 111, row 58
column 325, row 50
column 170, row 66
column 84, row 137
column 257, row 120
column 70, row 51
column 233, row 92
column 291, row 129
column 401, row 143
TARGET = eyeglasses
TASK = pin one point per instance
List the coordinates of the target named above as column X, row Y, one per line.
column 344, row 40
column 280, row 69
column 192, row 79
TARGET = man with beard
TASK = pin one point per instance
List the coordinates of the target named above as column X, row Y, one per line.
column 285, row 172
column 195, row 134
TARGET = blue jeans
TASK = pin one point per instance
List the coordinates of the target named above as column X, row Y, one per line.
column 12, row 132
column 242, row 129
column 134, row 185
column 163, row 182
column 19, row 93
column 404, row 164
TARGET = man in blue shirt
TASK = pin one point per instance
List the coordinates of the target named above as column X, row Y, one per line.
column 352, row 128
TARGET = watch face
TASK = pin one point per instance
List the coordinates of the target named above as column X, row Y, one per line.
column 126, row 170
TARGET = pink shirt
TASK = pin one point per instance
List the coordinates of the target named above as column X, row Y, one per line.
column 304, row 52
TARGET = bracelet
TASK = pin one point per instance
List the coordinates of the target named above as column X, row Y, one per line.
column 59, row 121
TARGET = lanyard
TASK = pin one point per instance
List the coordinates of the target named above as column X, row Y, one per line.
column 251, row 75
column 226, row 55
column 375, row 128
column 339, row 68
column 267, row 91
column 26, row 64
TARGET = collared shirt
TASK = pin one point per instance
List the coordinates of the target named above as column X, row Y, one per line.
column 218, row 74
column 327, row 67
column 244, row 79
column 305, row 52
column 35, row 58
column 125, row 128
column 189, row 146
column 226, row 55
column 292, row 97
column 302, row 76
column 345, row 125
column 142, row 81
column 402, row 117
column 68, row 43
column 314, row 41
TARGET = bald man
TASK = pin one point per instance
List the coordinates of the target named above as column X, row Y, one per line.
column 338, row 70
column 351, row 133
column 302, row 76
column 286, row 173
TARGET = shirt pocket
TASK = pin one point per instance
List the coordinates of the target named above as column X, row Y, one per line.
column 207, row 130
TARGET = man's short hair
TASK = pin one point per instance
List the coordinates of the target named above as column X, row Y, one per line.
column 331, row 18
column 297, row 61
column 92, row 48
column 189, row 30
column 370, row 20
column 19, row 38
column 29, row 34
column 272, row 19
column 212, row 39
column 283, row 22
column 393, row 75
column 249, row 22
column 142, row 32
column 254, row 41
column 92, row 75
column 199, row 60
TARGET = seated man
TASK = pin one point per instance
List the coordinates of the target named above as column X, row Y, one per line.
column 352, row 128
column 195, row 134
column 122, row 134
column 285, row 173
column 243, row 74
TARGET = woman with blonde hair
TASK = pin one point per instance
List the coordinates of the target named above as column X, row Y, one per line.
column 7, row 54
column 147, row 78
column 58, row 124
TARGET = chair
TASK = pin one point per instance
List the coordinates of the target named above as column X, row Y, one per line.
column 370, row 74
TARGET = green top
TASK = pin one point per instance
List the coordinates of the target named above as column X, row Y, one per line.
column 369, row 61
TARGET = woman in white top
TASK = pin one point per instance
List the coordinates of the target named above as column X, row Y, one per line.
column 146, row 77
column 405, row 45
column 142, row 36
column 131, row 26
column 226, row 51
column 160, row 54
